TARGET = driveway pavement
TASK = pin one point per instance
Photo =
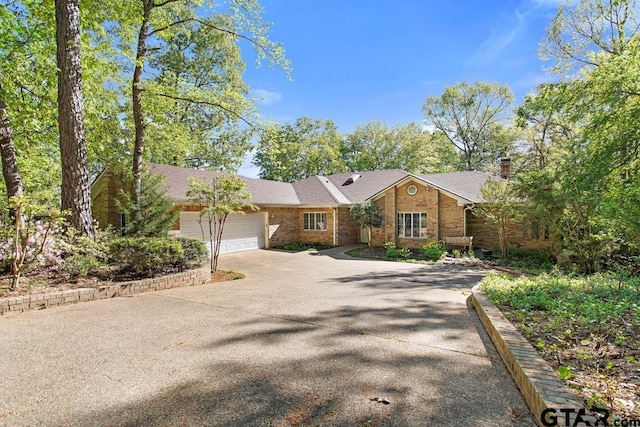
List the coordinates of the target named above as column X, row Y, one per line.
column 303, row 340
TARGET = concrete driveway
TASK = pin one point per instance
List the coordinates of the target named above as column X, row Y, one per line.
column 303, row 340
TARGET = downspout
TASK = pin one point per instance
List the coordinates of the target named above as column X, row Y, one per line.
column 334, row 226
column 464, row 218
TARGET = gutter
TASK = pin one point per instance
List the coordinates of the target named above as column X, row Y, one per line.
column 464, row 218
column 334, row 226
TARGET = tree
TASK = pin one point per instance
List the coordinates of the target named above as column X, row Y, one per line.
column 157, row 212
column 586, row 182
column 583, row 35
column 375, row 146
column 291, row 152
column 76, row 196
column 224, row 195
column 162, row 20
column 10, row 172
column 198, row 99
column 499, row 207
column 471, row 117
column 367, row 215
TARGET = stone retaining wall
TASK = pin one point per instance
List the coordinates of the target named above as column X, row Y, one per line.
column 73, row 296
column 538, row 383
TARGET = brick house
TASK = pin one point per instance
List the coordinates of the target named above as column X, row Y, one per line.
column 417, row 208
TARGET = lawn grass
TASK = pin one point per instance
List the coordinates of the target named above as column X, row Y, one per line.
column 587, row 328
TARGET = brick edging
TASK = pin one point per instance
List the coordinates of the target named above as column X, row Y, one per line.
column 72, row 296
column 539, row 384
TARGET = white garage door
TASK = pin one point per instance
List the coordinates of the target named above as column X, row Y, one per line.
column 241, row 232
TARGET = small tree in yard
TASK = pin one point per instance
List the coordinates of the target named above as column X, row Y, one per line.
column 367, row 215
column 224, row 195
column 499, row 208
column 156, row 213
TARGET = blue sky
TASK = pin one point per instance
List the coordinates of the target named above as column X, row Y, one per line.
column 354, row 61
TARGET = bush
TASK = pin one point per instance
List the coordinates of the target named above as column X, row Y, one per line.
column 396, row 253
column 147, row 256
column 433, row 251
column 300, row 246
column 195, row 252
column 81, row 266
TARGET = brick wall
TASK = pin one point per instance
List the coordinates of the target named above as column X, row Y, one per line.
column 348, row 231
column 283, row 226
column 451, row 217
column 73, row 296
column 444, row 216
column 485, row 235
column 311, row 236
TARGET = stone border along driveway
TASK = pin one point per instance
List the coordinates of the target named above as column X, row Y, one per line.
column 538, row 383
column 72, row 296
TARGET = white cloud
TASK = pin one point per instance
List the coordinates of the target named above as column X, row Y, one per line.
column 549, row 4
column 267, row 97
column 513, row 26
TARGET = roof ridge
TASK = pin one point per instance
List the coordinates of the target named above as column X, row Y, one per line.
column 337, row 195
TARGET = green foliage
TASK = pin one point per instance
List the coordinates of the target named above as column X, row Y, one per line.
column 367, row 215
column 304, row 246
column 470, row 116
column 499, row 208
column 156, row 212
column 598, row 302
column 224, row 195
column 375, row 146
column 146, row 256
column 81, row 266
column 526, row 261
column 291, row 152
column 587, row 326
column 433, row 251
column 396, row 253
column 83, row 256
column 194, row 250
column 31, row 236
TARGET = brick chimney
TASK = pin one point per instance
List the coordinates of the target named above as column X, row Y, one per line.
column 505, row 168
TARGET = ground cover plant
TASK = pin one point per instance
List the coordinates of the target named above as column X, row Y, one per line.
column 525, row 261
column 301, row 246
column 586, row 327
column 429, row 253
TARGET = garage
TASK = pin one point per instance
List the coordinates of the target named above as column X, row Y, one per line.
column 241, row 232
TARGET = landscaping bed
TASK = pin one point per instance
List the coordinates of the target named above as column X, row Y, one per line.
column 587, row 328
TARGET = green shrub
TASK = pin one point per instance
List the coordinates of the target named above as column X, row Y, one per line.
column 300, row 246
column 195, row 252
column 147, row 256
column 433, row 251
column 396, row 253
column 81, row 266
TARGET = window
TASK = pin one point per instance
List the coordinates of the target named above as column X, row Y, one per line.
column 316, row 221
column 412, row 224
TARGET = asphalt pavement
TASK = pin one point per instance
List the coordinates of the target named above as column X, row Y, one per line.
column 304, row 339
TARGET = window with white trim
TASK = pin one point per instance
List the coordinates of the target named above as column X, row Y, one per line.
column 315, row 221
column 412, row 224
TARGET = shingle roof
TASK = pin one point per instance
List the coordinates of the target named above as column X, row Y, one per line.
column 329, row 190
column 263, row 191
column 367, row 185
column 466, row 185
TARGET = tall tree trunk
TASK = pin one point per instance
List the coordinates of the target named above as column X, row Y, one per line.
column 10, row 172
column 138, row 112
column 76, row 195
